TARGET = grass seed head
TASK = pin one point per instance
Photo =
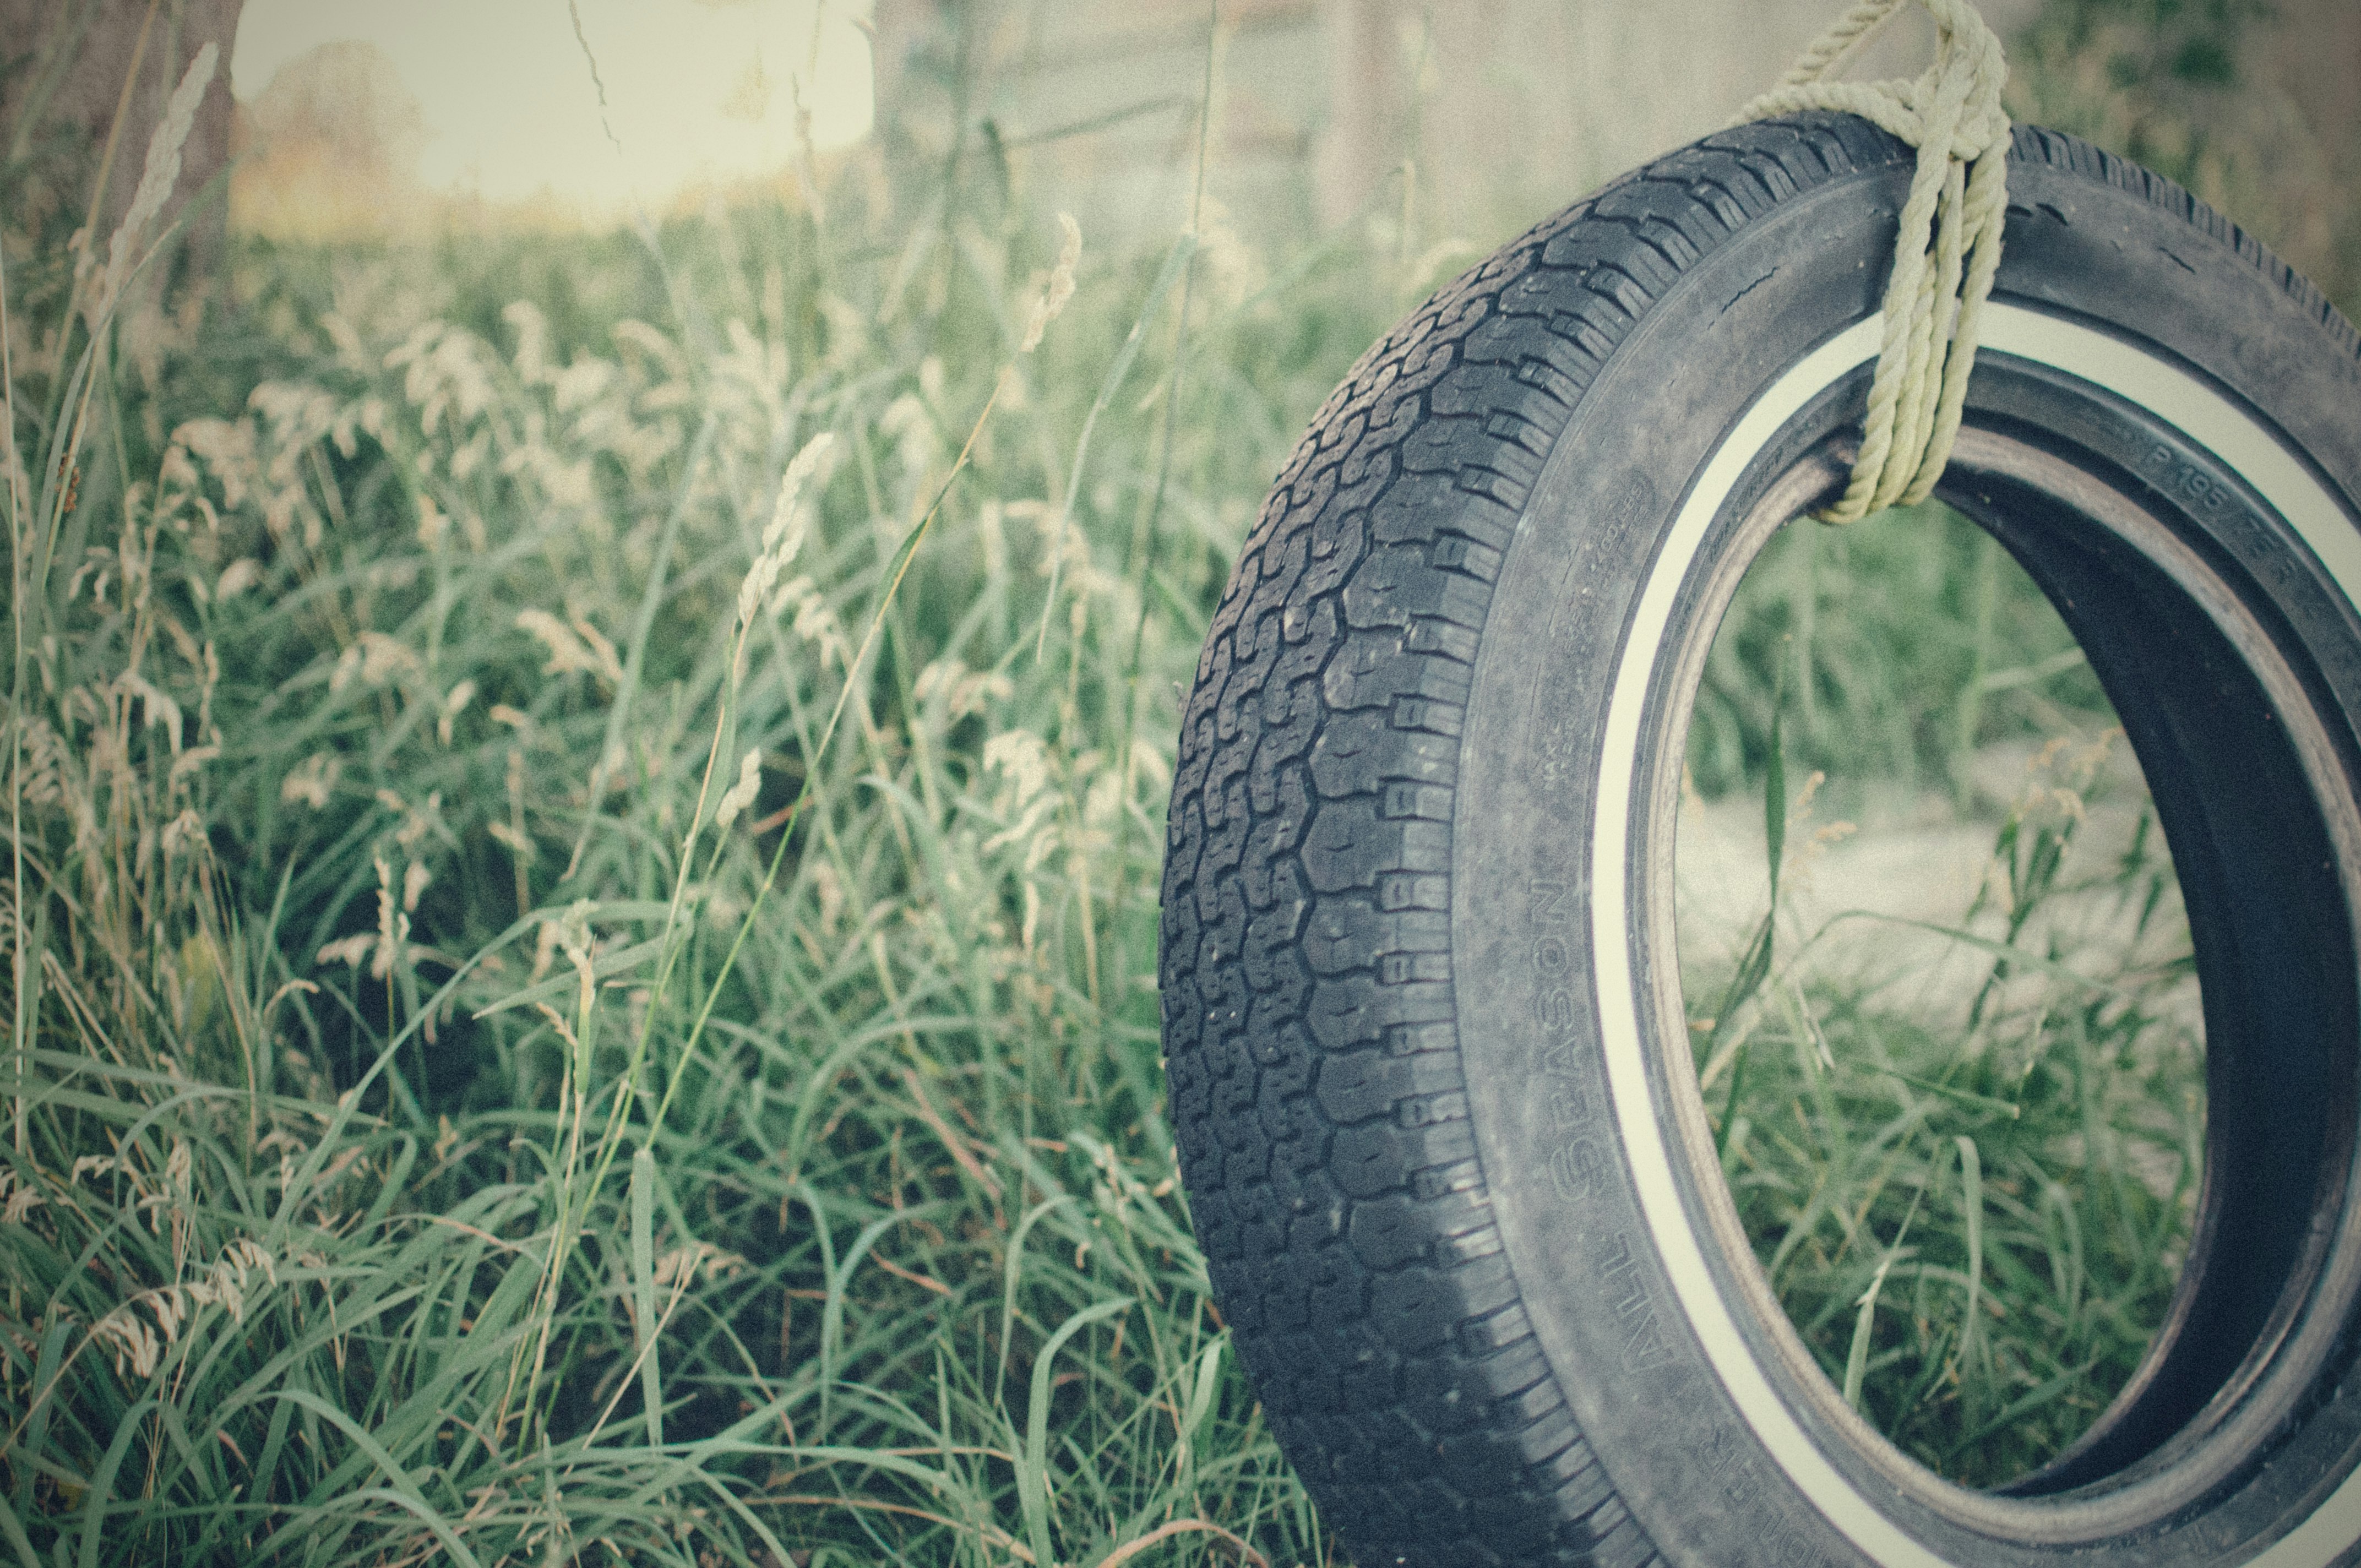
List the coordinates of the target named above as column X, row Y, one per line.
column 740, row 795
column 1061, row 287
column 17, row 1199
column 155, row 180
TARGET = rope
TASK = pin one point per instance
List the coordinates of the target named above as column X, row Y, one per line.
column 1948, row 247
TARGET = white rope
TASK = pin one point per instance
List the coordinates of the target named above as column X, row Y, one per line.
column 1948, row 247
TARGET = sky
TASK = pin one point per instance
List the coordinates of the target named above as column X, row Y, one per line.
column 695, row 89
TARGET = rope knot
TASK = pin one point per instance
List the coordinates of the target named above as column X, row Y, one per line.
column 1947, row 249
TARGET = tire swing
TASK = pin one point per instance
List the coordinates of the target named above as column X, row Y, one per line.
column 1436, row 1106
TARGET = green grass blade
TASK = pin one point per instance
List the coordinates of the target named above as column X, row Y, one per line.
column 644, row 1288
column 1857, row 1357
column 99, row 1500
column 619, row 711
column 1012, row 1271
column 1176, row 263
column 1033, row 1469
column 1971, row 1201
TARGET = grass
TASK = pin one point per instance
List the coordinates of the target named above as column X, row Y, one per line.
column 1889, row 655
column 573, row 1000
column 1966, row 1151
column 545, row 1024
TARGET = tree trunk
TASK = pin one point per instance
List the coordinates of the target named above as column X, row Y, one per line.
column 82, row 83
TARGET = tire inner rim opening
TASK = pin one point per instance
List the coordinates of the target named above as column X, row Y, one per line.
column 1757, row 1354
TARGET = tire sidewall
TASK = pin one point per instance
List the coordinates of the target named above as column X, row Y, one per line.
column 1565, row 1194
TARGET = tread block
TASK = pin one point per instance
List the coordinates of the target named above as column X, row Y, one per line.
column 1361, row 1086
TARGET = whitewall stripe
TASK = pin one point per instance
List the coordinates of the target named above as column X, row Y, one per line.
column 2210, row 422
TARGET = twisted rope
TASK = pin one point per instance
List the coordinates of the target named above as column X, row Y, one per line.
column 1948, row 247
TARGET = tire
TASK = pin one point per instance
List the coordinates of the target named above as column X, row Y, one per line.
column 1438, row 1117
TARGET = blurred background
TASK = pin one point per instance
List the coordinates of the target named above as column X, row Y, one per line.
column 1459, row 121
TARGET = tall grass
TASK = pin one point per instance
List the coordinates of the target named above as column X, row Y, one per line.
column 581, row 902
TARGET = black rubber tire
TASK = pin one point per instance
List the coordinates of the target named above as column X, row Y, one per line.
column 1438, row 1118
